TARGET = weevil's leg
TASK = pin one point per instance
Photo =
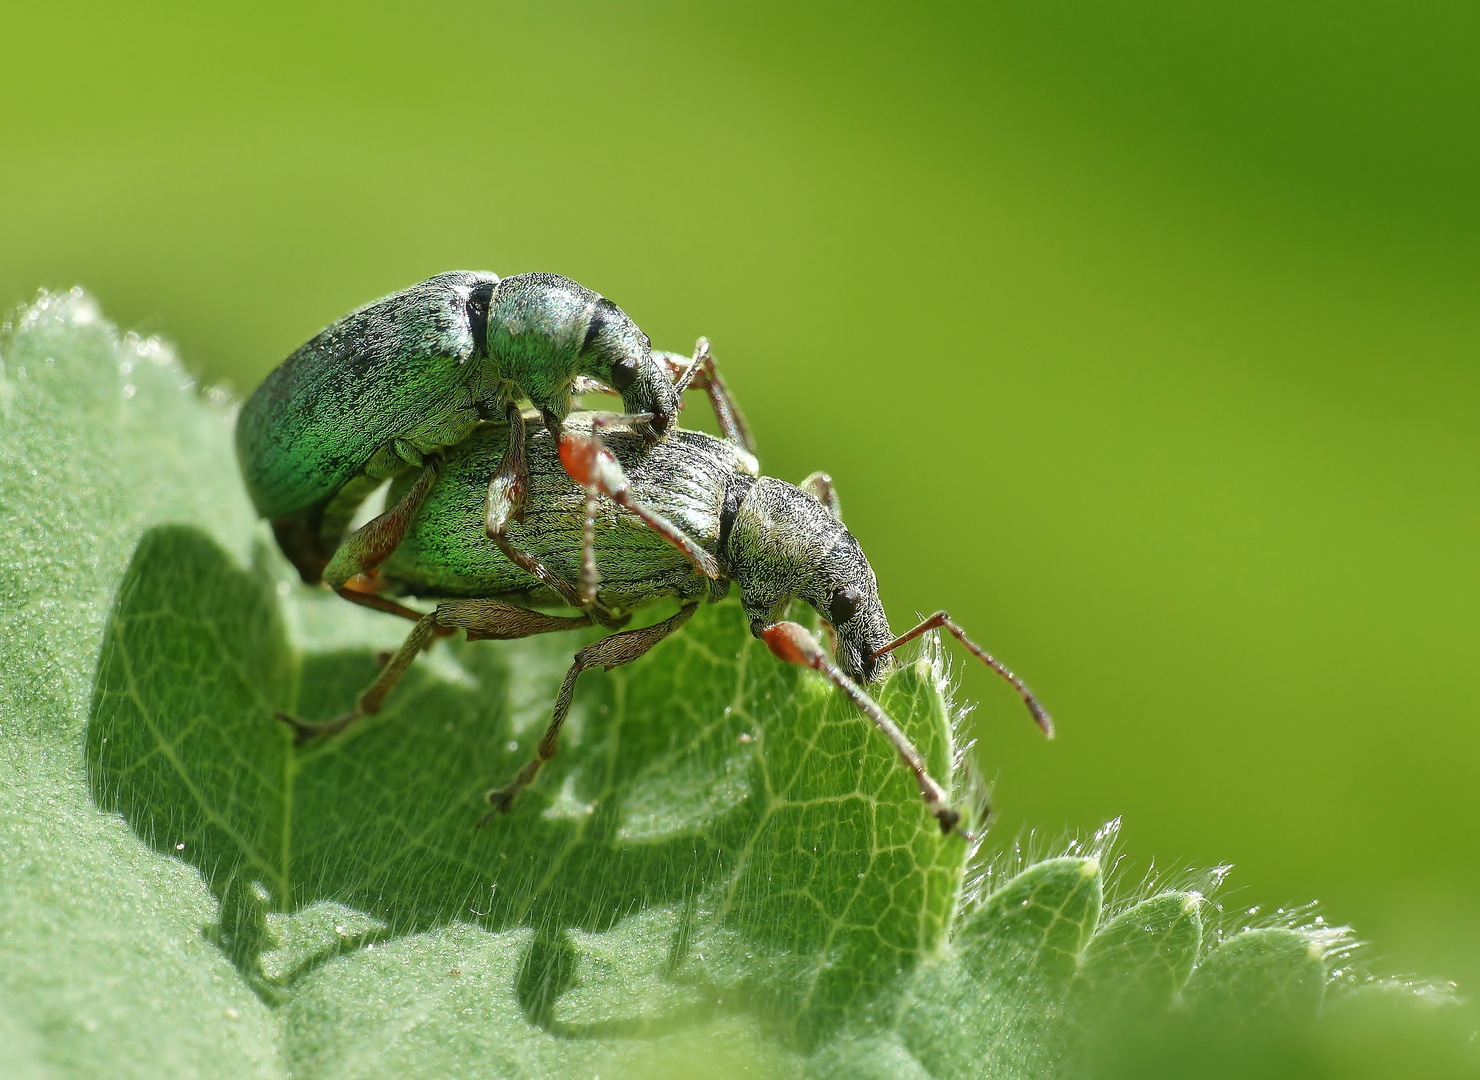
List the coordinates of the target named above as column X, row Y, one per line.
column 506, row 494
column 372, row 544
column 594, row 468
column 941, row 619
column 607, row 653
column 791, row 642
column 702, row 374
column 494, row 620
column 590, row 576
column 383, row 603
column 482, row 619
column 820, row 486
column 510, row 483
column 370, row 701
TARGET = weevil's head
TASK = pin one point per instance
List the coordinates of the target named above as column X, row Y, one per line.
column 848, row 598
column 620, row 355
column 780, row 544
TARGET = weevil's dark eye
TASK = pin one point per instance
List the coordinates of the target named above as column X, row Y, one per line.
column 845, row 604
column 624, row 373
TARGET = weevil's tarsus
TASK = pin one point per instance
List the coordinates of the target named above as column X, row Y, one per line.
column 608, row 653
column 820, row 486
column 371, row 544
column 941, row 620
column 792, row 643
column 371, row 699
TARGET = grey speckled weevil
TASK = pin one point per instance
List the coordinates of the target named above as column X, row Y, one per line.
column 605, row 505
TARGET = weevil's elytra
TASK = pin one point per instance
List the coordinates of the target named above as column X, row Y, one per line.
column 617, row 516
column 389, row 370
column 446, row 553
column 393, row 383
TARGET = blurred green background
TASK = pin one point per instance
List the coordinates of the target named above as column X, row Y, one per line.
column 1140, row 335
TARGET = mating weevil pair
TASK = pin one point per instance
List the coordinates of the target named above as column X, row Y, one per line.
column 630, row 506
column 392, row 383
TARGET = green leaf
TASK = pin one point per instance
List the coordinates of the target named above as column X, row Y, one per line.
column 724, row 870
column 1140, row 959
column 1274, row 973
column 781, row 859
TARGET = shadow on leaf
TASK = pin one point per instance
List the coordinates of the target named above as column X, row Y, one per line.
column 759, row 824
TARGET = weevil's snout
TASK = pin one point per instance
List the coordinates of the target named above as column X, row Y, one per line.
column 652, row 393
column 620, row 355
column 862, row 629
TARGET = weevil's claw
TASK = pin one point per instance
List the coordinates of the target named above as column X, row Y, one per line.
column 950, row 822
column 501, row 799
column 646, row 425
column 304, row 731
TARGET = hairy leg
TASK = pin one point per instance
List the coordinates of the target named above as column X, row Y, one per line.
column 607, row 653
column 480, row 618
column 505, row 503
column 371, row 544
column 701, row 373
column 376, row 602
column 370, row 700
column 595, row 469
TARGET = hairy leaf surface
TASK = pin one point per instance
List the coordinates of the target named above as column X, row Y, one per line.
column 724, row 870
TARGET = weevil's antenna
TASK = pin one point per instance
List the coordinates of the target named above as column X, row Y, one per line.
column 941, row 619
column 793, row 643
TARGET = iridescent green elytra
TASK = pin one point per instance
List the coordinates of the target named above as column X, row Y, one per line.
column 412, row 373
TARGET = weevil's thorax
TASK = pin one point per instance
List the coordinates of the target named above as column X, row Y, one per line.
column 536, row 324
column 544, row 330
column 779, row 543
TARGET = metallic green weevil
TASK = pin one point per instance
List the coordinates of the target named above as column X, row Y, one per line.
column 389, row 386
column 599, row 498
